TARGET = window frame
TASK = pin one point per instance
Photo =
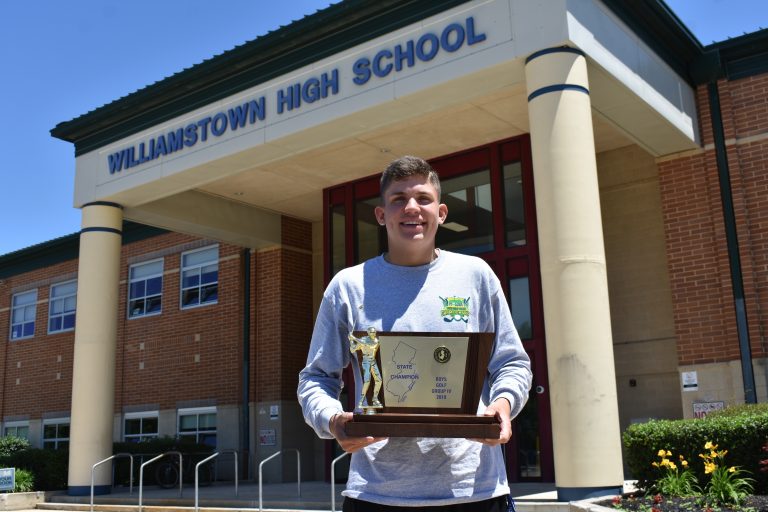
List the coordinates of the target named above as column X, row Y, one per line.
column 161, row 275
column 199, row 285
column 56, row 440
column 197, row 411
column 11, row 337
column 142, row 436
column 51, row 299
column 16, row 425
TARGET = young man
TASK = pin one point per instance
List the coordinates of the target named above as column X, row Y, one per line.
column 401, row 290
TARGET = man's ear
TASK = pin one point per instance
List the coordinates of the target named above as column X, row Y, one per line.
column 442, row 213
column 379, row 213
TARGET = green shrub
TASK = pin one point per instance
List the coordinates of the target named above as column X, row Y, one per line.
column 48, row 467
column 12, row 444
column 25, row 481
column 743, row 432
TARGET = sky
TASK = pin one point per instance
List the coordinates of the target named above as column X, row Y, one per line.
column 61, row 59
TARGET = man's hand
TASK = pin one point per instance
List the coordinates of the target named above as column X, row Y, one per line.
column 349, row 444
column 501, row 409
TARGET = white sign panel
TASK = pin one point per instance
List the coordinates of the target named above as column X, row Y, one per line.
column 7, row 479
column 690, row 381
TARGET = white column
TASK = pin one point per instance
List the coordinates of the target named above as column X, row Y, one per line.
column 585, row 420
column 93, row 378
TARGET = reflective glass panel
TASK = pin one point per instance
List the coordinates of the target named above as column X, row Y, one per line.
column 338, row 247
column 528, row 441
column 371, row 238
column 469, row 226
column 514, row 212
column 520, row 305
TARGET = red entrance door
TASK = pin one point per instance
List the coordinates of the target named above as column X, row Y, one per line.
column 491, row 214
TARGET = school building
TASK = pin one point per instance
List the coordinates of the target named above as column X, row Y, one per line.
column 610, row 169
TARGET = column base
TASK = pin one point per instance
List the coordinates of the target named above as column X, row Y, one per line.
column 85, row 490
column 583, row 493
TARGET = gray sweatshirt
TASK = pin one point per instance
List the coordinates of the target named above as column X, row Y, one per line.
column 415, row 471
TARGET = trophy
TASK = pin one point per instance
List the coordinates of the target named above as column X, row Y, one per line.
column 424, row 384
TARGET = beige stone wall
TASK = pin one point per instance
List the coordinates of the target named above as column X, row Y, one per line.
column 638, row 281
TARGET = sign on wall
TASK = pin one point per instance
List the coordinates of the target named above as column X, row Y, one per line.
column 702, row 409
column 690, row 381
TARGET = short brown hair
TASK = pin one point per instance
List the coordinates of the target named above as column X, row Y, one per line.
column 405, row 167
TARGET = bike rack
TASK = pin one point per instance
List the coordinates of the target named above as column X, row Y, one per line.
column 141, row 473
column 93, row 470
column 333, row 480
column 197, row 474
column 298, row 468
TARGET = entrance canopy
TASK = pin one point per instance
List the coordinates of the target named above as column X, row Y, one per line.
column 223, row 149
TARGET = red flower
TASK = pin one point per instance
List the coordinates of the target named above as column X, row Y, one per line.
column 658, row 499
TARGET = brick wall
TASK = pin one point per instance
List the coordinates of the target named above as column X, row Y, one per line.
column 283, row 313
column 704, row 313
column 175, row 359
column 37, row 371
column 182, row 355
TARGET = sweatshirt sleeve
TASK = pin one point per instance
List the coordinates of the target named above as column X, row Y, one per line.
column 320, row 381
column 509, row 370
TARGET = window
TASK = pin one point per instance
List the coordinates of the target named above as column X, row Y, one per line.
column 24, row 308
column 200, row 277
column 56, row 434
column 198, row 425
column 145, row 289
column 469, row 228
column 61, row 307
column 140, row 427
column 17, row 429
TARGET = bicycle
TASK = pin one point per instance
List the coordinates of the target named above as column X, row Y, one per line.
column 167, row 472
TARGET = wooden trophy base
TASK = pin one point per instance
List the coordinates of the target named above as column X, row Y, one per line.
column 424, row 425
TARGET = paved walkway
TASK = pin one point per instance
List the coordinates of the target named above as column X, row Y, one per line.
column 284, row 497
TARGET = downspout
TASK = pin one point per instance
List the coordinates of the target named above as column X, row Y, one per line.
column 726, row 196
column 245, row 425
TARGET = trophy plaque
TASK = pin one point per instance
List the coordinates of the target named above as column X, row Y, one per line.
column 421, row 384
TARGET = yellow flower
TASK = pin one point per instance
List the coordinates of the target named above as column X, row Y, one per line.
column 713, row 454
column 655, row 464
column 722, row 453
column 669, row 453
column 684, row 463
column 661, row 453
column 709, row 446
column 709, row 467
column 665, row 462
column 732, row 469
column 672, row 465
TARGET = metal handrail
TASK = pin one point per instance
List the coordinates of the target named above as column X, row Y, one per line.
column 93, row 470
column 141, row 473
column 298, row 468
column 333, row 480
column 197, row 474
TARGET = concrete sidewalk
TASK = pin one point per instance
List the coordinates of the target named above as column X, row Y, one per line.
column 529, row 497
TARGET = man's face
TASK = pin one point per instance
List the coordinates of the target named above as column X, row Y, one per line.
column 411, row 214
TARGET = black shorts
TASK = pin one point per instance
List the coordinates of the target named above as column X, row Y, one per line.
column 498, row 504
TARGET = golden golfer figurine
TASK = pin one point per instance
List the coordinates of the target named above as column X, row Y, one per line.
column 368, row 346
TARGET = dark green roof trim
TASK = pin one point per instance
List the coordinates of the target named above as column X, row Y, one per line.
column 743, row 56
column 63, row 249
column 353, row 22
column 323, row 34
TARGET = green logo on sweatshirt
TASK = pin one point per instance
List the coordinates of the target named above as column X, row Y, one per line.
column 455, row 309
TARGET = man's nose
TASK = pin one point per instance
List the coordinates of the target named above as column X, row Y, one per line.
column 412, row 204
